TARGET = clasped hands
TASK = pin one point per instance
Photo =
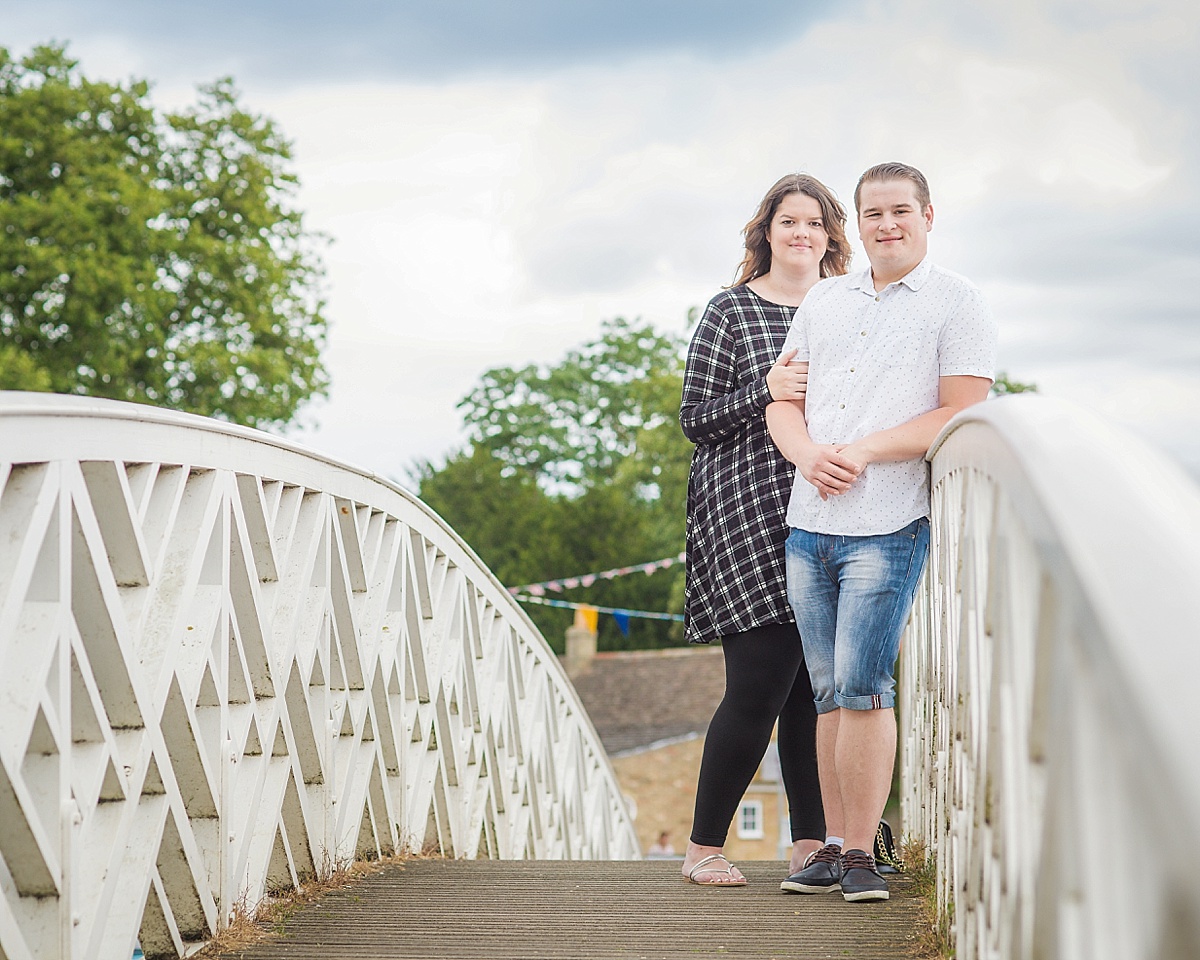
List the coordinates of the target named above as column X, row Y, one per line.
column 828, row 467
column 831, row 467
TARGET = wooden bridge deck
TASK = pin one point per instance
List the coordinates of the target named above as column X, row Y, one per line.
column 539, row 910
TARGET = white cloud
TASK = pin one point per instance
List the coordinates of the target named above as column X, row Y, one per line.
column 489, row 221
column 510, row 218
column 1153, row 403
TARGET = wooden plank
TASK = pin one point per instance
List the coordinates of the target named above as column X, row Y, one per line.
column 542, row 910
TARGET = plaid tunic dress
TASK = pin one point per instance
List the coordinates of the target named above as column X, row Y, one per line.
column 739, row 483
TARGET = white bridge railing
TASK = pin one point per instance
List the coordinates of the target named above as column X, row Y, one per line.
column 1051, row 760
column 227, row 664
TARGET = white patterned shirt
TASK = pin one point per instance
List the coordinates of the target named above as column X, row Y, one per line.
column 874, row 363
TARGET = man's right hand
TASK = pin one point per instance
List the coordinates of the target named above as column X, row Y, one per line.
column 827, row 470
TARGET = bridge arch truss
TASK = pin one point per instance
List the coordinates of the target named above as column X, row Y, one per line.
column 1048, row 736
column 231, row 664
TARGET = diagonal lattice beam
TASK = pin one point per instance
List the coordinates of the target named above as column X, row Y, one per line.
column 1048, row 763
column 231, row 664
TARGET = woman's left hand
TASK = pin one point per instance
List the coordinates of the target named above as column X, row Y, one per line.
column 787, row 380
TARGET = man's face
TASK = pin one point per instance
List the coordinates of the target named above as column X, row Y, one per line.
column 893, row 227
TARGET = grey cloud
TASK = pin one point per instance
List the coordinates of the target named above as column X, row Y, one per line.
column 379, row 39
column 1036, row 234
column 590, row 255
column 1077, row 276
column 666, row 231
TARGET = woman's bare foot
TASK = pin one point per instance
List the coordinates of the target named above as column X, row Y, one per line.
column 801, row 851
column 715, row 873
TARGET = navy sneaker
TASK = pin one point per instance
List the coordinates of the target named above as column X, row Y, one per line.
column 860, row 878
column 822, row 873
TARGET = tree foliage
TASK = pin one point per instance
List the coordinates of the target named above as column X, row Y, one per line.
column 152, row 256
column 578, row 467
column 575, row 425
column 1005, row 385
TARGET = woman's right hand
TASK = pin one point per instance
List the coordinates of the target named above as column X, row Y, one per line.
column 787, row 380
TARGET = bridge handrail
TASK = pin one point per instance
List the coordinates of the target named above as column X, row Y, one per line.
column 231, row 663
column 1048, row 727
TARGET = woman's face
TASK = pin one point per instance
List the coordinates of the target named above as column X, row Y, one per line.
column 797, row 233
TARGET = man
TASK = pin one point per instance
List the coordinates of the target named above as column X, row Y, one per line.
column 893, row 352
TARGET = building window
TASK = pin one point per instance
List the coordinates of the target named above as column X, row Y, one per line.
column 750, row 820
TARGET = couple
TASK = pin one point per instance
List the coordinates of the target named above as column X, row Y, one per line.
column 812, row 395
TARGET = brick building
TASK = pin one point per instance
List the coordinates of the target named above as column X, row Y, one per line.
column 651, row 709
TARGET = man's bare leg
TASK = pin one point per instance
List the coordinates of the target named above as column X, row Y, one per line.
column 864, row 757
column 822, row 876
column 827, row 772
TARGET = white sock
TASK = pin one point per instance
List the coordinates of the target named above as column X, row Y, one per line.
column 836, row 841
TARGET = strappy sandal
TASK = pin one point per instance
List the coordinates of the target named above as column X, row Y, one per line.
column 703, row 867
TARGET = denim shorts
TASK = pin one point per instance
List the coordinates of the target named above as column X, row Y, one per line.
column 852, row 597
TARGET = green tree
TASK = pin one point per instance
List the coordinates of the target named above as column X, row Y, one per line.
column 1005, row 385
column 596, row 437
column 575, row 424
column 19, row 371
column 152, row 256
column 577, row 467
column 504, row 517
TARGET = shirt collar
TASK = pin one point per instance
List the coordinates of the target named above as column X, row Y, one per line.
column 914, row 279
column 917, row 275
column 862, row 281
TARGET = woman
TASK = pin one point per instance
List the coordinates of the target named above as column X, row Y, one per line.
column 737, row 497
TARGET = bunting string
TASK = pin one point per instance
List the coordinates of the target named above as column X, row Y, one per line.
column 615, row 611
column 587, row 579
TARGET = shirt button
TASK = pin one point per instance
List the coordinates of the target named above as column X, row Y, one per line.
column 876, row 299
column 851, row 369
column 841, row 406
column 864, row 333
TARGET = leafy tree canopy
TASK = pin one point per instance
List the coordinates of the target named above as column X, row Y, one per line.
column 575, row 424
column 1005, row 385
column 152, row 256
column 577, row 467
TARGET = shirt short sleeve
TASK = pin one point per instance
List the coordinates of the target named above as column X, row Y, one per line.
column 797, row 338
column 967, row 344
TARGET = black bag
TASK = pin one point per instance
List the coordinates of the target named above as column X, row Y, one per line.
column 887, row 860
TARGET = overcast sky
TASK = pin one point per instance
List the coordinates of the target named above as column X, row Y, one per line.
column 498, row 176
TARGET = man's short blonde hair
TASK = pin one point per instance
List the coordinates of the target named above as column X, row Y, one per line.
column 895, row 171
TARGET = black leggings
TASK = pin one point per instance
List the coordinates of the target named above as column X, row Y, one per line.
column 765, row 679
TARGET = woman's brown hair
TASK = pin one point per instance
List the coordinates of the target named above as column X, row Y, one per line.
column 757, row 260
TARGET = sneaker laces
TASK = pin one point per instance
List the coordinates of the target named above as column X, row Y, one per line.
column 830, row 853
column 852, row 859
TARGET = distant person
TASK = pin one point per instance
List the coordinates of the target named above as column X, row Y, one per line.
column 737, row 496
column 893, row 351
column 662, row 846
